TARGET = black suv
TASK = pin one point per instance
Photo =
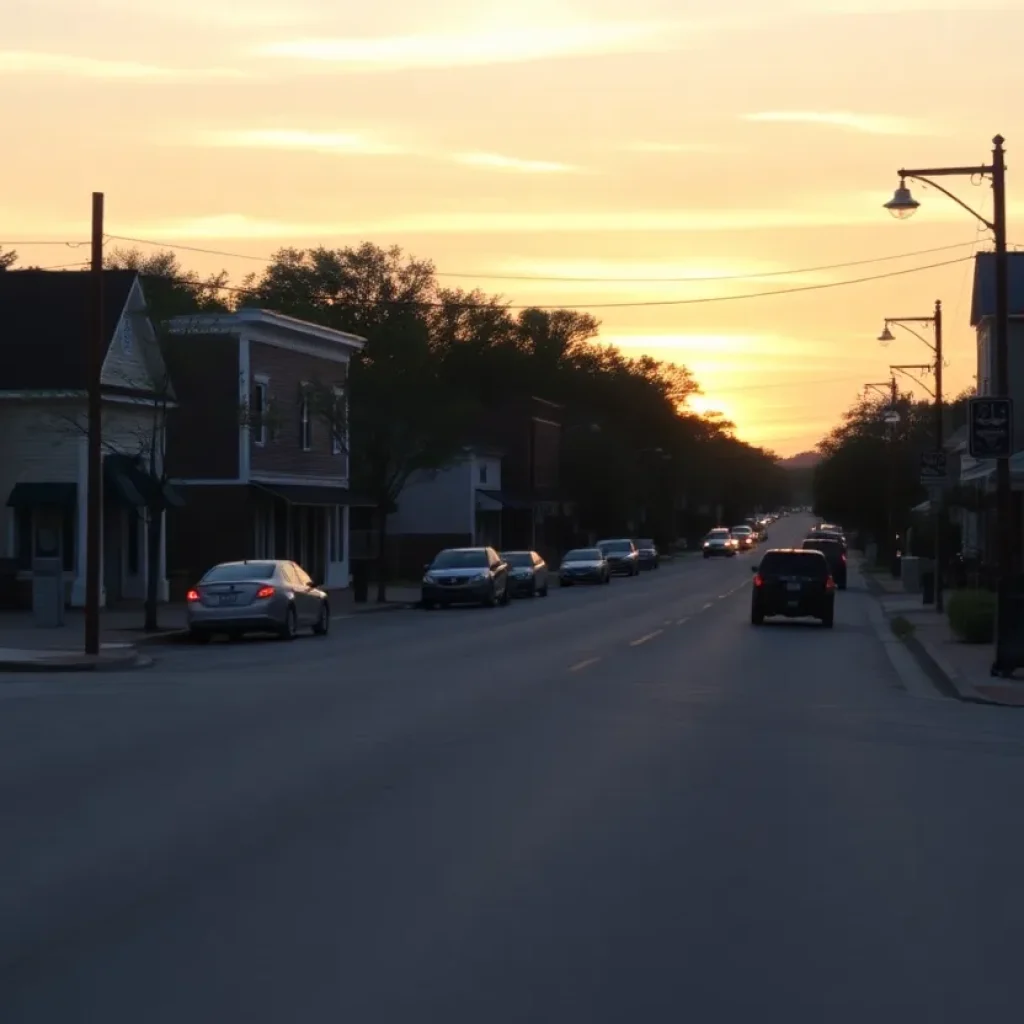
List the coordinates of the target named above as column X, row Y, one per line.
column 835, row 551
column 795, row 583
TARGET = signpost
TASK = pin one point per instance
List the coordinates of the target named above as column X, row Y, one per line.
column 990, row 428
column 933, row 468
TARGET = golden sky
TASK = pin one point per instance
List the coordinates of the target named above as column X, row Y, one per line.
column 535, row 141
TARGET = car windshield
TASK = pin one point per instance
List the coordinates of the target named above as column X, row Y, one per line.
column 583, row 555
column 646, row 542
column 617, row 546
column 519, row 559
column 235, row 571
column 742, row 529
column 460, row 560
column 718, row 534
column 793, row 563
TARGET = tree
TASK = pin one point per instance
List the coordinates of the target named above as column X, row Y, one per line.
column 397, row 405
column 8, row 259
column 170, row 289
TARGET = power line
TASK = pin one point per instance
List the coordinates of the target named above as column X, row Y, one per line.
column 577, row 280
column 50, row 241
column 632, row 305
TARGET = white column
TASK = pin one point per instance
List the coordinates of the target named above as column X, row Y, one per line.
column 163, row 590
column 78, row 586
column 345, row 539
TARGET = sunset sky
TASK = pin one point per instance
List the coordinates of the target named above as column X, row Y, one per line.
column 518, row 143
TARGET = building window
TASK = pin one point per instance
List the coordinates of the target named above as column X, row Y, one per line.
column 258, row 411
column 25, row 537
column 483, row 473
column 305, row 424
column 339, row 423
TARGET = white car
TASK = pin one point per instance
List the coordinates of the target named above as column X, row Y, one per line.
column 720, row 543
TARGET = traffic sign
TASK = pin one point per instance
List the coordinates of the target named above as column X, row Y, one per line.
column 933, row 467
column 990, row 428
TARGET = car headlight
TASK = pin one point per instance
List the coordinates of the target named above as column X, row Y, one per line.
column 428, row 578
column 480, row 577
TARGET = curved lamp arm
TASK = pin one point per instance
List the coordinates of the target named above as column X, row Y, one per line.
column 920, row 337
column 919, row 383
column 956, row 199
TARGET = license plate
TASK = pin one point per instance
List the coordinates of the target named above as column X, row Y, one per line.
column 793, row 588
column 228, row 599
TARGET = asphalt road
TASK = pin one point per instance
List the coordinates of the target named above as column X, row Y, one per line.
column 617, row 804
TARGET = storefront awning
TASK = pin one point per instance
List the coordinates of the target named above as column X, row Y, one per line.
column 136, row 487
column 32, row 495
column 314, row 494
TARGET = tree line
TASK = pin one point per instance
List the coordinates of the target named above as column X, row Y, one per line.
column 869, row 476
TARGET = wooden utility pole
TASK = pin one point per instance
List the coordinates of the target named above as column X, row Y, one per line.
column 94, row 509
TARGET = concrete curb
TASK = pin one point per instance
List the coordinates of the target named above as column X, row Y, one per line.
column 944, row 676
column 43, row 662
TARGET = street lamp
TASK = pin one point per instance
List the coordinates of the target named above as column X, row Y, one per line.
column 903, row 205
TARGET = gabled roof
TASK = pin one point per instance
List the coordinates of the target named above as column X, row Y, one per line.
column 45, row 326
column 983, row 301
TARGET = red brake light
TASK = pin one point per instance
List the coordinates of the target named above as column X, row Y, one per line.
column 192, row 595
column 264, row 592
column 758, row 580
column 830, row 584
column 843, row 557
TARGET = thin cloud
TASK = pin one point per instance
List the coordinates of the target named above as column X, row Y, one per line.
column 225, row 13
column 17, row 62
column 671, row 147
column 869, row 124
column 333, row 143
column 497, row 162
column 482, row 47
column 239, row 226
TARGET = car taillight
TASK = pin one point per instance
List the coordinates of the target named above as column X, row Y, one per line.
column 264, row 592
column 830, row 584
column 843, row 557
column 758, row 580
column 192, row 595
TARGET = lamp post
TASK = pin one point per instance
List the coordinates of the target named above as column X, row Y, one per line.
column 903, row 205
column 935, row 320
column 887, row 390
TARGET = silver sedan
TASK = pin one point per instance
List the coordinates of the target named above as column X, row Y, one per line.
column 260, row 596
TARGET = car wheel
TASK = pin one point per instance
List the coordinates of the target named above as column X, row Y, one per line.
column 491, row 601
column 506, row 595
column 706, row 555
column 756, row 617
column 842, row 586
column 323, row 623
column 291, row 625
column 199, row 636
column 828, row 619
column 607, row 578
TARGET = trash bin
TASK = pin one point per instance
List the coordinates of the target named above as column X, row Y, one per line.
column 928, row 586
column 360, row 582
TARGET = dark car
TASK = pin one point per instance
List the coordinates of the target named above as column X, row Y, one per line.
column 621, row 555
column 584, row 565
column 528, row 573
column 795, row 583
column 647, row 553
column 835, row 553
column 828, row 533
column 466, row 576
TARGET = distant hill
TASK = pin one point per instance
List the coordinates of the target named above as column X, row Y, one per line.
column 804, row 460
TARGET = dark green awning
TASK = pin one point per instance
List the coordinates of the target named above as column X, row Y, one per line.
column 32, row 495
column 135, row 486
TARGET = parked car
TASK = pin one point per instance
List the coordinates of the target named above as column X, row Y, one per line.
column 647, row 553
column 527, row 573
column 466, row 576
column 827, row 532
column 834, row 552
column 622, row 556
column 584, row 565
column 744, row 536
column 720, row 542
column 793, row 583
column 259, row 596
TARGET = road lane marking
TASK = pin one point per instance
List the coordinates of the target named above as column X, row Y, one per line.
column 683, row 621
column 645, row 638
column 586, row 663
column 707, row 606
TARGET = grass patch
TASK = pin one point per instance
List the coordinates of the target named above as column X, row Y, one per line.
column 901, row 627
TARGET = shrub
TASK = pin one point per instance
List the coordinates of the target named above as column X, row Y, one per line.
column 972, row 615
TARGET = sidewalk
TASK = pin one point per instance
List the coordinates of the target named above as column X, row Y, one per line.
column 24, row 646
column 964, row 669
